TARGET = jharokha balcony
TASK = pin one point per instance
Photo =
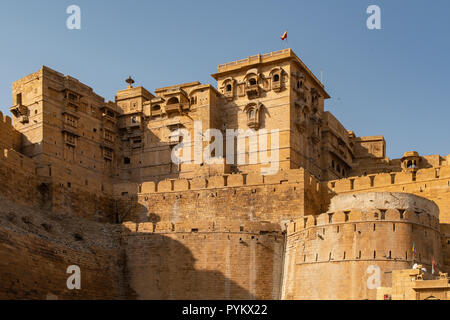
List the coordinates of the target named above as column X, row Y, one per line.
column 252, row 91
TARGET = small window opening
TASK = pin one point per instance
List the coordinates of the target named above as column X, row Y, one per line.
column 19, row 99
column 392, row 178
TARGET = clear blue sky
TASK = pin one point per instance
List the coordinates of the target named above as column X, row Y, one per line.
column 392, row 82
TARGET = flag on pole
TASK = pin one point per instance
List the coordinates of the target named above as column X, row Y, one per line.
column 414, row 249
column 433, row 265
column 284, row 36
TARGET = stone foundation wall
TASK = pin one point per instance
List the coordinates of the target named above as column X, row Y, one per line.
column 204, row 260
column 37, row 247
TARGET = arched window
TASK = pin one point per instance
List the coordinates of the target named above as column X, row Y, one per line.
column 229, row 87
column 276, row 77
column 251, row 113
column 332, row 164
column 173, row 100
column 299, row 84
column 252, row 81
column 409, row 164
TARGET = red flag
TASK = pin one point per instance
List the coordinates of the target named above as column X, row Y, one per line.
column 284, row 36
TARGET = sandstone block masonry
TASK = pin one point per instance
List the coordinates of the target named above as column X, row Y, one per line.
column 90, row 182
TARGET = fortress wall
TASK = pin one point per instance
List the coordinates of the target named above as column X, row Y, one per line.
column 445, row 236
column 276, row 198
column 204, row 260
column 9, row 137
column 35, row 268
column 433, row 184
column 331, row 257
column 78, row 202
column 20, row 183
column 17, row 179
column 36, row 248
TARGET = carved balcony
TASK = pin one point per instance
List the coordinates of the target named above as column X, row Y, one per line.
column 229, row 95
column 252, row 91
column 70, row 129
column 315, row 138
column 107, row 144
column 276, row 86
column 20, row 111
column 301, row 125
column 253, row 123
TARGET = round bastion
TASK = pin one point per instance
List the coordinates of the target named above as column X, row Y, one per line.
column 383, row 200
column 352, row 249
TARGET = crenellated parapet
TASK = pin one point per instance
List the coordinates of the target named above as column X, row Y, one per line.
column 330, row 219
column 294, row 176
column 202, row 226
column 387, row 180
column 276, row 198
column 10, row 137
column 431, row 183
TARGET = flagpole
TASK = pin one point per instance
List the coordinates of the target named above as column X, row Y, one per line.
column 284, row 37
column 287, row 43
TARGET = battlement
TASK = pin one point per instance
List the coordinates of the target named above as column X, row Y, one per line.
column 294, row 176
column 217, row 226
column 382, row 180
column 257, row 58
column 267, row 58
column 358, row 216
column 5, row 120
column 10, row 137
column 12, row 158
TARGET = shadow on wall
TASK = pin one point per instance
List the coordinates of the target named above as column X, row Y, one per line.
column 158, row 266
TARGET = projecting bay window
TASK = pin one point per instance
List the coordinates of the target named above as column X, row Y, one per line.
column 253, row 113
column 70, row 120
column 275, row 75
column 108, row 136
column 107, row 154
column 70, row 139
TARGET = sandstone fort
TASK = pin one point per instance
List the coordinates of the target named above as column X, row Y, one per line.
column 91, row 183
